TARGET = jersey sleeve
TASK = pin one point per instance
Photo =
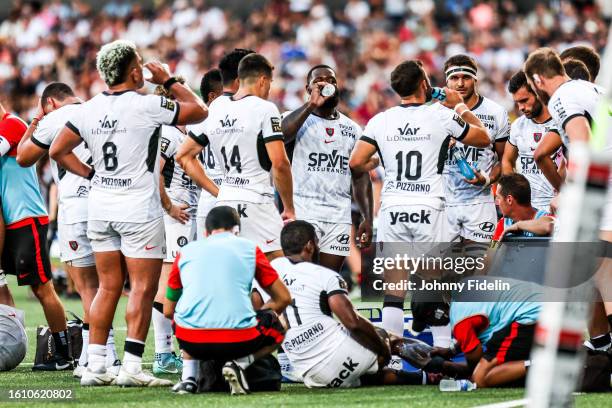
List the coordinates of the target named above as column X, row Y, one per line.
column 453, row 124
column 8, row 133
column 161, row 110
column 466, row 332
column 43, row 135
column 563, row 108
column 370, row 133
column 335, row 285
column 168, row 145
column 271, row 123
column 175, row 286
column 513, row 137
column 198, row 133
column 265, row 274
column 503, row 132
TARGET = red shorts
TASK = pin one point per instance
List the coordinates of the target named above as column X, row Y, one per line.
column 26, row 253
column 512, row 343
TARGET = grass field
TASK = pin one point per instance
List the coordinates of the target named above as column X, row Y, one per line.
column 291, row 395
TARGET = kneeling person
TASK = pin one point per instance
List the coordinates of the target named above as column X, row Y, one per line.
column 204, row 276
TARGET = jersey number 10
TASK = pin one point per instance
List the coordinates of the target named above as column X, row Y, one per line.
column 412, row 162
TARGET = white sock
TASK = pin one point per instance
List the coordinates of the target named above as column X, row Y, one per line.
column 244, row 362
column 441, row 335
column 162, row 327
column 131, row 363
column 83, row 356
column 96, row 358
column 393, row 320
column 111, row 351
column 191, row 368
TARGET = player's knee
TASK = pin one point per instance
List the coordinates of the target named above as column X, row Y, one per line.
column 44, row 291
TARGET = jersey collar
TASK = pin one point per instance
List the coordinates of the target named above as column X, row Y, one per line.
column 408, row 105
column 117, row 93
column 480, row 100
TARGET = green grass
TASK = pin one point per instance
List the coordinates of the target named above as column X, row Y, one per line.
column 290, row 396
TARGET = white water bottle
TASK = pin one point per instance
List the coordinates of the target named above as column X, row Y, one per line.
column 451, row 385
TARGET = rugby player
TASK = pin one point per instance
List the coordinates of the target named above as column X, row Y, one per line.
column 470, row 206
column 179, row 197
column 124, row 211
column 25, row 253
column 195, row 148
column 244, row 131
column 573, row 105
column 209, row 298
column 412, row 140
column 324, row 352
column 320, row 140
column 585, row 54
column 494, row 334
column 520, row 217
column 57, row 105
column 527, row 132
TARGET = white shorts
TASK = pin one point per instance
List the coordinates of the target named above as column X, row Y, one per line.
column 411, row 223
column 334, row 238
column 133, row 239
column 475, row 222
column 178, row 235
column 74, row 244
column 260, row 223
column 204, row 207
column 344, row 369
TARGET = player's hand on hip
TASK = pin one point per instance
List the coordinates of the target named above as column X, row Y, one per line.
column 316, row 99
column 288, row 215
column 159, row 72
column 364, row 234
column 179, row 212
column 453, row 98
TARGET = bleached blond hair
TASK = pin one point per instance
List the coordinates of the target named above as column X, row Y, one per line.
column 113, row 60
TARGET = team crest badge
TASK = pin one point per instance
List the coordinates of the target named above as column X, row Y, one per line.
column 73, row 245
column 537, row 137
column 330, row 131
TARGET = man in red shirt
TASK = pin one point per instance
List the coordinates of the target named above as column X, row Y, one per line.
column 25, row 252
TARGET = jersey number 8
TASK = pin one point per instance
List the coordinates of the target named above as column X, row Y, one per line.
column 109, row 149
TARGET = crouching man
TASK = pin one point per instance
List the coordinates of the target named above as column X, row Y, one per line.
column 324, row 352
column 13, row 338
column 209, row 297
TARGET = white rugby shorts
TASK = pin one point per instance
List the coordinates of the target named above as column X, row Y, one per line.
column 74, row 244
column 475, row 222
column 178, row 235
column 259, row 222
column 334, row 238
column 345, row 368
column 412, row 223
column 133, row 239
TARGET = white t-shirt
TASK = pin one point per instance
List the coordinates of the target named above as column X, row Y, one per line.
column 179, row 186
column 459, row 192
column 321, row 174
column 212, row 166
column 122, row 131
column 412, row 141
column 526, row 136
column 571, row 99
column 72, row 189
column 238, row 130
column 313, row 335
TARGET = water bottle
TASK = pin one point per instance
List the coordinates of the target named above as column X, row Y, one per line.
column 464, row 167
column 438, row 93
column 451, row 385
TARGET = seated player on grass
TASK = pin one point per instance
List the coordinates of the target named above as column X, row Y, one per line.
column 209, row 298
column 495, row 335
column 519, row 218
column 324, row 352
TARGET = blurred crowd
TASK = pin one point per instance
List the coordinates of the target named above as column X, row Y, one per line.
column 43, row 41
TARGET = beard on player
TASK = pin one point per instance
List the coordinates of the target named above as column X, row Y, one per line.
column 535, row 111
column 332, row 102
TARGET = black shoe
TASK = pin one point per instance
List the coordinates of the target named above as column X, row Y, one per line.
column 189, row 386
column 234, row 375
column 56, row 363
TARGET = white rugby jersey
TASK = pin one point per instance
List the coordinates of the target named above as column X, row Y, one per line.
column 313, row 335
column 212, row 166
column 237, row 131
column 72, row 190
column 179, row 186
column 574, row 98
column 412, row 141
column 526, row 136
column 122, row 131
column 458, row 192
column 319, row 163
